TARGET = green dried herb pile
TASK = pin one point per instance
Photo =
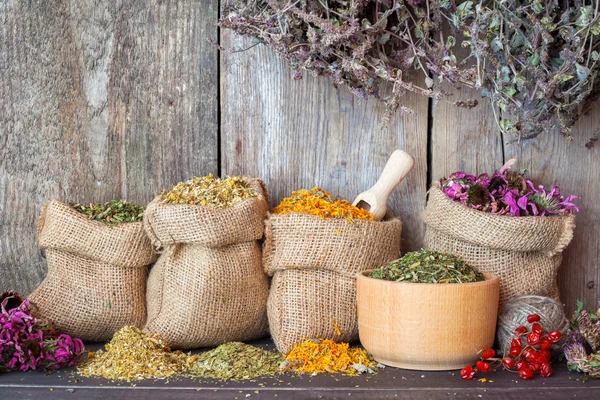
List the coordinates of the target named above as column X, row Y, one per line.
column 209, row 191
column 236, row 361
column 133, row 355
column 426, row 266
column 112, row 212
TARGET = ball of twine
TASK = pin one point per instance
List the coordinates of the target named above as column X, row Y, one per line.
column 515, row 312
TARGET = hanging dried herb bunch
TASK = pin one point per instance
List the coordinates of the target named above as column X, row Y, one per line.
column 209, row 191
column 537, row 61
column 360, row 43
column 112, row 212
column 426, row 266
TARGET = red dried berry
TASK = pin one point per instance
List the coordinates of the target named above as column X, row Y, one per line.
column 532, row 356
column 543, row 356
column 482, row 366
column 521, row 364
column 515, row 351
column 520, row 330
column 533, row 338
column 508, row 362
column 554, row 336
column 533, row 318
column 535, row 367
column 487, row 354
column 516, row 342
column 546, row 370
column 537, row 328
column 467, row 373
column 545, row 343
column 526, row 373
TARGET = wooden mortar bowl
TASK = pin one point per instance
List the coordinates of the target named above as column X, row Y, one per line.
column 427, row 326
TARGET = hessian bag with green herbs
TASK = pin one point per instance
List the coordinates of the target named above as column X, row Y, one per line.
column 96, row 281
column 208, row 286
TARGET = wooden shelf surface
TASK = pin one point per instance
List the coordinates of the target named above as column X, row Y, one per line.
column 389, row 383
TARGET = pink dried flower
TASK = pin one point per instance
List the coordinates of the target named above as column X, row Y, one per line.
column 507, row 193
column 28, row 344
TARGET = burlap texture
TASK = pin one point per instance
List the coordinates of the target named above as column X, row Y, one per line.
column 169, row 224
column 62, row 228
column 208, row 286
column 525, row 252
column 96, row 279
column 314, row 263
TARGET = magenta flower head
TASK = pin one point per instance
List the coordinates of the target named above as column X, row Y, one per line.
column 28, row 344
column 507, row 193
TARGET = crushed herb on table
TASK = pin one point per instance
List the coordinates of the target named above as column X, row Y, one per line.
column 209, row 191
column 317, row 356
column 134, row 355
column 426, row 266
column 318, row 202
column 236, row 361
column 112, row 212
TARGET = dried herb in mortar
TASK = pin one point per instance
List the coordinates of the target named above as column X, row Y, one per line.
column 113, row 212
column 318, row 202
column 236, row 361
column 317, row 356
column 209, row 191
column 133, row 355
column 426, row 266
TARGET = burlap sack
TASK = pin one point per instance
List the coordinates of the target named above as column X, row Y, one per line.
column 208, row 286
column 96, row 281
column 525, row 252
column 314, row 263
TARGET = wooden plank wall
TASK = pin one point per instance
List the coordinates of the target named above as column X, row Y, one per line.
column 101, row 100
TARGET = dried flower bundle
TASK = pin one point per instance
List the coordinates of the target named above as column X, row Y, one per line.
column 209, row 191
column 536, row 60
column 507, row 192
column 361, row 43
column 318, row 202
column 112, row 212
column 236, row 361
column 317, row 356
column 133, row 355
column 27, row 343
column 583, row 342
column 426, row 266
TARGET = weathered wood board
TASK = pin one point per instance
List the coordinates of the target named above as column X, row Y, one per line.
column 300, row 134
column 99, row 100
column 102, row 100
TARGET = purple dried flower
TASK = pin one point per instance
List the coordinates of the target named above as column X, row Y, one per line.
column 506, row 193
column 28, row 344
